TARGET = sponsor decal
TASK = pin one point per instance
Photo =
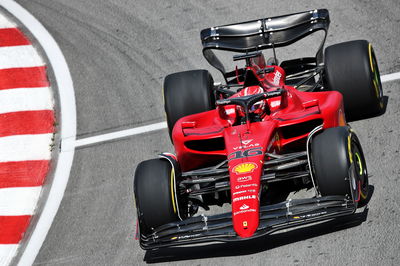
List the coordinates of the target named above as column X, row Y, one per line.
column 244, row 168
column 244, row 186
column 239, row 192
column 244, row 178
column 230, row 111
column 245, row 142
column 274, row 93
column 185, row 236
column 244, row 198
column 244, row 191
column 244, row 211
column 275, row 103
column 223, row 102
column 246, row 146
column 244, row 207
column 310, row 215
column 277, row 77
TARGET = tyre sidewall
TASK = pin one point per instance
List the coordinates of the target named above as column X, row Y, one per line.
column 348, row 70
column 187, row 93
column 331, row 161
column 154, row 194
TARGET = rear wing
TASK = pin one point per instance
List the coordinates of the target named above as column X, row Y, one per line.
column 263, row 34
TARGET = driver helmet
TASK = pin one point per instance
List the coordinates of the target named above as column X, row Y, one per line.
column 258, row 107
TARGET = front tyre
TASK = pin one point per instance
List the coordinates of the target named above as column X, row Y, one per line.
column 155, row 194
column 339, row 165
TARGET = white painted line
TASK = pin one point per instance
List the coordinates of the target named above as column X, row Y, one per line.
column 390, row 77
column 25, row 99
column 19, row 56
column 25, row 147
column 67, row 129
column 7, row 253
column 120, row 134
column 5, row 23
column 19, row 200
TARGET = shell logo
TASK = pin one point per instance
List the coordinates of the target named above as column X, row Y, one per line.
column 244, row 168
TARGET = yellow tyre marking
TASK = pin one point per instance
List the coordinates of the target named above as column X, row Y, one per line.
column 349, row 148
column 376, row 88
column 359, row 163
column 370, row 57
column 172, row 189
column 374, row 81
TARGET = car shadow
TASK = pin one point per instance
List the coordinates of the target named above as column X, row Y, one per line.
column 385, row 104
column 385, row 100
column 371, row 190
column 256, row 245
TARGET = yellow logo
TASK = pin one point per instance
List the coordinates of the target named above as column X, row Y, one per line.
column 244, row 168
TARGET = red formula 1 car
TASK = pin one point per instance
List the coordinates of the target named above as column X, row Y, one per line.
column 269, row 130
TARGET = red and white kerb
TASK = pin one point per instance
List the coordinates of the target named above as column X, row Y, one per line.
column 26, row 134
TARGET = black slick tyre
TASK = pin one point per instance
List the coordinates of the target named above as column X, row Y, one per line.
column 187, row 93
column 155, row 194
column 351, row 68
column 338, row 164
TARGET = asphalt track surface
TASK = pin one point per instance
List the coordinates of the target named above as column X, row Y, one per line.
column 119, row 51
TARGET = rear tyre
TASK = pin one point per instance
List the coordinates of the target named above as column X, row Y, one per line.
column 338, row 164
column 187, row 93
column 351, row 68
column 155, row 194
